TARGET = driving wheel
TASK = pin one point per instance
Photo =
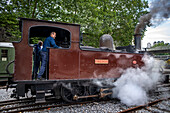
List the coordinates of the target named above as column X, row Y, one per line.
column 68, row 93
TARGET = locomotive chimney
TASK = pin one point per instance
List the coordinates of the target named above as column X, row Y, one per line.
column 137, row 41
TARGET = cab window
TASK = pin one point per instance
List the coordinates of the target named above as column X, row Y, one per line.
column 37, row 33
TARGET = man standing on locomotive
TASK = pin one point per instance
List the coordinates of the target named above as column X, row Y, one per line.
column 36, row 58
column 49, row 42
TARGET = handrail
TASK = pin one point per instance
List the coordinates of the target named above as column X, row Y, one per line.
column 8, row 67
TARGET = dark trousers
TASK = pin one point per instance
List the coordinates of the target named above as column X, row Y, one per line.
column 44, row 56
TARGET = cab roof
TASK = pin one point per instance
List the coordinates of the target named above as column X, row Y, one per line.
column 30, row 19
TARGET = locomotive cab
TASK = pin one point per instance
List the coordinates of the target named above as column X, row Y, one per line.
column 40, row 33
column 67, row 37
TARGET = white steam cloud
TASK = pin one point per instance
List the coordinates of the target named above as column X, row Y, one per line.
column 133, row 85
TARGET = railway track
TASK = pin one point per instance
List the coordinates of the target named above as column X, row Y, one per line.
column 3, row 87
column 11, row 102
column 28, row 104
column 158, row 106
column 150, row 107
column 154, row 107
column 163, row 85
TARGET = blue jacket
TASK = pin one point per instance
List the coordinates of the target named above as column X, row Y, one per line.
column 36, row 52
column 49, row 42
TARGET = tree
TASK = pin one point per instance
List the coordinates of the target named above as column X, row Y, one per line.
column 13, row 9
column 8, row 22
column 117, row 18
column 159, row 44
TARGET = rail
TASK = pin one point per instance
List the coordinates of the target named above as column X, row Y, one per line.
column 146, row 106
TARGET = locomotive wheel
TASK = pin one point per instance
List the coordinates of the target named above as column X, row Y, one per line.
column 94, row 90
column 68, row 94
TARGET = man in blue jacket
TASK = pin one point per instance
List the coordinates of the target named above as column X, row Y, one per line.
column 36, row 58
column 49, row 42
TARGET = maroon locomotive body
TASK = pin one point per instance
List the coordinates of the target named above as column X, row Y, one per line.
column 72, row 64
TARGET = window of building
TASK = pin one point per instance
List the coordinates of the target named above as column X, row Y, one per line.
column 4, row 55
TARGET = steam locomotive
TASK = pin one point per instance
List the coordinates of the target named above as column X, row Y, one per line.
column 73, row 68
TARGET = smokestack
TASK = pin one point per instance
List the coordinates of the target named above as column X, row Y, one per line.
column 137, row 38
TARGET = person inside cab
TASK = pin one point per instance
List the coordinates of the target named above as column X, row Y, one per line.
column 49, row 42
column 36, row 58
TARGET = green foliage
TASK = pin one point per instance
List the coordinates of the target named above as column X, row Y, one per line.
column 160, row 44
column 97, row 17
column 162, row 54
column 34, row 40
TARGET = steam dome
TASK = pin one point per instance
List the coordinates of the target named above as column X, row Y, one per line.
column 106, row 40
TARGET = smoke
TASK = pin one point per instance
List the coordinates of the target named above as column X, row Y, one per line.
column 160, row 10
column 133, row 85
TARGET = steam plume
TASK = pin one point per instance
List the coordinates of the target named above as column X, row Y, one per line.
column 133, row 85
column 160, row 10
